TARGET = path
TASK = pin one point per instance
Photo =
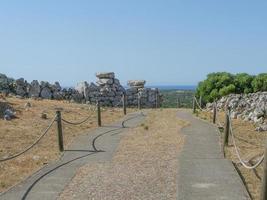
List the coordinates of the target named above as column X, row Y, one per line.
column 204, row 174
column 51, row 180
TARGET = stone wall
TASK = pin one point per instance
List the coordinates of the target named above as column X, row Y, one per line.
column 248, row 107
column 148, row 95
column 107, row 90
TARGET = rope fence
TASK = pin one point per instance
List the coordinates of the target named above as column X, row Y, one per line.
column 228, row 130
column 80, row 122
column 58, row 118
column 33, row 144
column 247, row 164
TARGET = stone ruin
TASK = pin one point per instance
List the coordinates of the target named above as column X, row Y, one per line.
column 137, row 90
column 107, row 90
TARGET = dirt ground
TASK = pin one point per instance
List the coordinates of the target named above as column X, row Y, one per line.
column 251, row 145
column 19, row 133
column 143, row 167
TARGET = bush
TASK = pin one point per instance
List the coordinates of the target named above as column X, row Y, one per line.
column 221, row 84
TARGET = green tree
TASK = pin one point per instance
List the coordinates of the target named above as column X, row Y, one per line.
column 243, row 83
column 260, row 83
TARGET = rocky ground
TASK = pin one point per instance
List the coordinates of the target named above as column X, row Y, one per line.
column 144, row 166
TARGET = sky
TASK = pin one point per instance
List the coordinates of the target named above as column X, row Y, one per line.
column 170, row 42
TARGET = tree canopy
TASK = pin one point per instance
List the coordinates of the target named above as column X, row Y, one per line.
column 219, row 84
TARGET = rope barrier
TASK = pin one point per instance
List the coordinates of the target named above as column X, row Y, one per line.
column 238, row 153
column 32, row 145
column 217, row 117
column 198, row 104
column 78, row 123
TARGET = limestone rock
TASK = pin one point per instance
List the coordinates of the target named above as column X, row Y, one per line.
column 105, row 75
column 46, row 93
column 34, row 89
column 136, row 83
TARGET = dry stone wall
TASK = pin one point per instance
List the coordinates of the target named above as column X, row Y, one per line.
column 248, row 107
column 107, row 90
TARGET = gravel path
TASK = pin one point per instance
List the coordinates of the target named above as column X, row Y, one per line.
column 143, row 167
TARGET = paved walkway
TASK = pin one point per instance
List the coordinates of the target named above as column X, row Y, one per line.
column 51, row 180
column 204, row 174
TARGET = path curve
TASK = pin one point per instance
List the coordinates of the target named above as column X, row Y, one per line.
column 97, row 145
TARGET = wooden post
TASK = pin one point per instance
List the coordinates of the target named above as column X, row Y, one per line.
column 139, row 101
column 194, row 105
column 59, row 131
column 124, row 103
column 98, row 114
column 227, row 126
column 200, row 101
column 214, row 112
column 264, row 178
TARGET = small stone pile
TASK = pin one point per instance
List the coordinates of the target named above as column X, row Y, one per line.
column 6, row 111
column 249, row 107
column 148, row 95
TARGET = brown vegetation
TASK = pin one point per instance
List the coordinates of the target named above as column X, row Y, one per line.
column 19, row 133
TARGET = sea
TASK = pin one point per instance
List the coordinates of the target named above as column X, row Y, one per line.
column 173, row 87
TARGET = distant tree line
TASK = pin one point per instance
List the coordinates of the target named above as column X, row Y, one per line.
column 219, row 84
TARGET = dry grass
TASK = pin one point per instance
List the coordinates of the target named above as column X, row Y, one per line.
column 144, row 166
column 19, row 133
column 251, row 145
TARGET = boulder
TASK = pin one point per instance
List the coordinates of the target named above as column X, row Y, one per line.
column 9, row 114
column 34, row 89
column 262, row 128
column 46, row 93
column 82, row 88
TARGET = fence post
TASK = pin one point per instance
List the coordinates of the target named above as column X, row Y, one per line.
column 227, row 127
column 264, row 178
column 139, row 101
column 194, row 105
column 98, row 113
column 214, row 112
column 59, row 131
column 200, row 101
column 124, row 103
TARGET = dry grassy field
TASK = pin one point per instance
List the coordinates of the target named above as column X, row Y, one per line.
column 19, row 133
column 251, row 145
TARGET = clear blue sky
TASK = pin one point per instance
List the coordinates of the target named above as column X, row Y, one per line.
column 161, row 41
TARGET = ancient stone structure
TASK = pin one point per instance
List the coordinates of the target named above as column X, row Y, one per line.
column 149, row 96
column 249, row 107
column 107, row 90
